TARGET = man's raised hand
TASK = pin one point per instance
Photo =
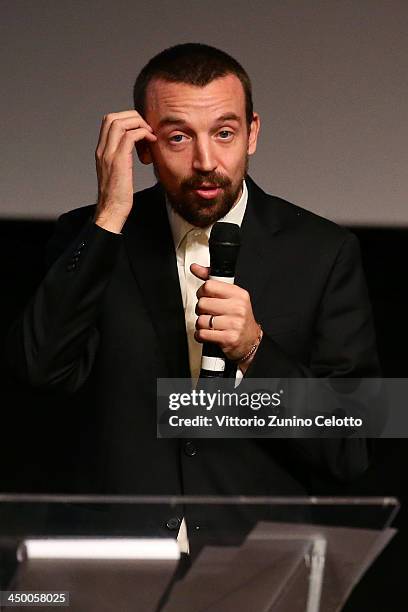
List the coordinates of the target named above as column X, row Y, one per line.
column 114, row 166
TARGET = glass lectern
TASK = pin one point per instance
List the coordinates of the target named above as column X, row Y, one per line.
column 99, row 554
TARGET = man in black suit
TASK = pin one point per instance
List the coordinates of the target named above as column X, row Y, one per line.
column 111, row 315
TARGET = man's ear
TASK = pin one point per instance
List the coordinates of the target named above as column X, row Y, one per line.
column 143, row 152
column 253, row 134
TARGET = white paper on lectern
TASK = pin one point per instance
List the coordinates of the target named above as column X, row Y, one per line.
column 98, row 548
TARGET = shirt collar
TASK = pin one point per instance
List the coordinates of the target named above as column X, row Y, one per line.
column 180, row 227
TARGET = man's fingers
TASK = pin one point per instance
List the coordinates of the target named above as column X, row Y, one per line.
column 218, row 289
column 119, row 128
column 200, row 271
column 219, row 322
column 209, row 335
column 126, row 145
column 219, row 306
column 128, row 140
column 105, row 125
column 114, row 126
column 226, row 339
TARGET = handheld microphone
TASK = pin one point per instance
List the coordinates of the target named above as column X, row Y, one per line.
column 224, row 243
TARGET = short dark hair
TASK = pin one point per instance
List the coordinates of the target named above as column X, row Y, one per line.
column 194, row 64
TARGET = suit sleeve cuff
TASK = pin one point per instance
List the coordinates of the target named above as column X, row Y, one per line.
column 270, row 361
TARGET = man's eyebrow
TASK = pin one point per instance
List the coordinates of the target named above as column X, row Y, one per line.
column 166, row 121
column 228, row 117
column 171, row 121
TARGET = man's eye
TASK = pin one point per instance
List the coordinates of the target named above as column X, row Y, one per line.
column 177, row 138
column 224, row 134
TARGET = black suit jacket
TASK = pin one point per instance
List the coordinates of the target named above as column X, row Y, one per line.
column 108, row 320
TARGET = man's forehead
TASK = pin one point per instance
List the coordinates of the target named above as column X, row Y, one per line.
column 222, row 95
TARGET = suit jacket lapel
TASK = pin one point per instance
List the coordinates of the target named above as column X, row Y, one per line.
column 150, row 248
column 258, row 259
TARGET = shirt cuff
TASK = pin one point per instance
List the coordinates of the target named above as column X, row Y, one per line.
column 239, row 375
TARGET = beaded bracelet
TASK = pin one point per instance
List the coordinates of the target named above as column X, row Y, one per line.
column 253, row 348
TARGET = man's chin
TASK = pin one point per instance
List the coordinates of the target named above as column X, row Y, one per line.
column 203, row 212
column 204, row 216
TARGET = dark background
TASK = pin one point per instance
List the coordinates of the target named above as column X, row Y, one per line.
column 39, row 430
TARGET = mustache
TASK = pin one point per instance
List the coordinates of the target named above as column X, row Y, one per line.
column 195, row 182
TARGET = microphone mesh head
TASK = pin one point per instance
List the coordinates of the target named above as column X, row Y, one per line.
column 225, row 240
column 229, row 233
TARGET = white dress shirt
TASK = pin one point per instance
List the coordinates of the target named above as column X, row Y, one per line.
column 191, row 245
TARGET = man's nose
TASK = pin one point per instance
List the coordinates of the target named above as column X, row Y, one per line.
column 204, row 158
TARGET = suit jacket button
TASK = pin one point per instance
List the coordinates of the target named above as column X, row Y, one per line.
column 173, row 523
column 190, row 449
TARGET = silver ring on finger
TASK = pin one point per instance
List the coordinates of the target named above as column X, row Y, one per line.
column 211, row 322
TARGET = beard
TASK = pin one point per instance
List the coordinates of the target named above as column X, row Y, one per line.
column 199, row 211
